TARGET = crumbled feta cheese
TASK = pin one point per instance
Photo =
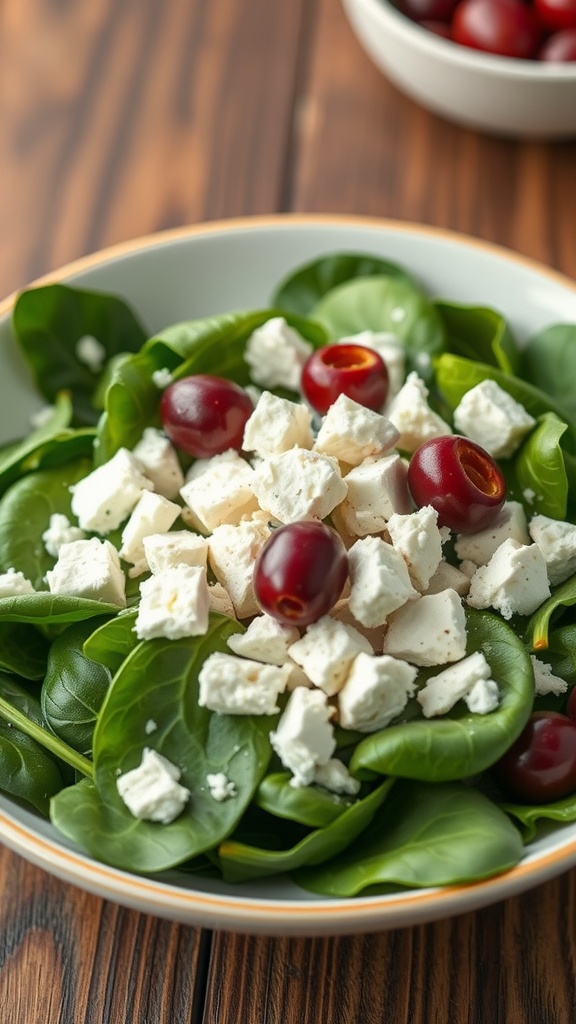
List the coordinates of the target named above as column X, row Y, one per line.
column 277, row 425
column 91, row 352
column 412, row 416
column 162, row 378
column 342, row 613
column 351, row 433
column 91, row 569
column 375, row 692
column 492, row 418
column 219, row 491
column 483, row 698
column 513, row 582
column 152, row 791
column 335, row 776
column 275, row 354
column 180, row 547
column 379, row 581
column 219, row 600
column 389, row 348
column 150, row 727
column 304, row 737
column 444, row 690
column 60, row 531
column 220, row 786
column 480, row 546
column 417, row 537
column 448, row 577
column 557, row 542
column 232, row 553
column 326, row 652
column 151, row 515
column 544, row 680
column 14, row 584
column 430, row 630
column 237, row 686
column 376, row 489
column 299, row 484
column 529, row 495
column 265, row 640
column 173, row 604
column 106, row 497
column 157, row 457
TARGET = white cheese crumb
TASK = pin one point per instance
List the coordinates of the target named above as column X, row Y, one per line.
column 91, row 569
column 232, row 553
column 410, row 413
column 152, row 791
column 275, row 354
column 152, row 514
column 60, row 531
column 379, row 581
column 492, row 418
column 219, row 491
column 304, row 737
column 326, row 652
column 335, row 776
column 236, row 686
column 375, row 692
column 444, row 690
column 417, row 537
column 430, row 630
column 159, row 462
column 514, row 582
column 376, row 489
column 220, row 786
column 162, row 378
column 351, row 433
column 544, row 679
column 106, row 497
column 480, row 546
column 265, row 640
column 299, row 484
column 91, row 352
column 276, row 425
column 173, row 604
column 14, row 584
column 557, row 542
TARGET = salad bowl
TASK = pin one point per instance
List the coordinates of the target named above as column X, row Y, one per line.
column 202, row 271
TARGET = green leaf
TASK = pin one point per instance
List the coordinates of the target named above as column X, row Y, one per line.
column 459, row 744
column 301, row 291
column 480, row 333
column 112, row 642
column 530, row 816
column 308, row 805
column 538, row 625
column 44, row 608
column 23, row 650
column 74, row 688
column 549, row 362
column 130, row 405
column 424, row 835
column 539, row 467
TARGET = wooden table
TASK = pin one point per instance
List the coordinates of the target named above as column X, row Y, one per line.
column 123, row 117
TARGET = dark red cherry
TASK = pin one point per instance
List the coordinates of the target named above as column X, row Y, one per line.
column 540, row 766
column 300, row 572
column 559, row 47
column 352, row 370
column 460, row 480
column 205, row 415
column 505, row 27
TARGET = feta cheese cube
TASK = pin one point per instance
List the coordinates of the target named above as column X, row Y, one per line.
column 379, row 581
column 106, row 497
column 326, row 652
column 412, row 416
column 299, row 484
column 376, row 489
column 265, row 640
column 335, row 776
column 219, row 600
column 152, row 514
column 159, row 462
column 375, row 692
column 557, row 542
column 232, row 553
column 152, row 791
column 220, row 786
column 304, row 738
column 444, row 690
column 544, row 680
column 275, row 354
column 417, row 537
column 448, row 577
column 492, row 418
column 60, row 531
column 391, row 351
column 180, row 547
column 14, row 584
column 483, row 698
column 514, row 582
column 277, row 425
column 374, row 635
column 219, row 491
column 351, row 433
column 89, row 568
column 430, row 630
column 173, row 604
column 480, row 546
column 238, row 686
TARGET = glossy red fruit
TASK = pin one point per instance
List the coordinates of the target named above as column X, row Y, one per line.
column 505, row 27
column 460, row 480
column 556, row 14
column 428, row 10
column 352, row 370
column 561, row 46
column 300, row 572
column 205, row 415
column 541, row 765
column 439, row 28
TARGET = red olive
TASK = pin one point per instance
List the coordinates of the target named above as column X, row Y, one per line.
column 540, row 766
column 205, row 415
column 352, row 370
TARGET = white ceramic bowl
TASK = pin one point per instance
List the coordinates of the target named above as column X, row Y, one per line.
column 499, row 95
column 232, row 265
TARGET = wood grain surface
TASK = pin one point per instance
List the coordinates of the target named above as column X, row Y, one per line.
column 123, row 117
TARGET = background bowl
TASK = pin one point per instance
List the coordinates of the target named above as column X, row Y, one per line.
column 500, row 95
column 233, row 265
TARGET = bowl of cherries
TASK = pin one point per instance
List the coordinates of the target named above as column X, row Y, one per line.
column 505, row 67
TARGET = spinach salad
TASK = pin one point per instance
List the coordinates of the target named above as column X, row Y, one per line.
column 81, row 695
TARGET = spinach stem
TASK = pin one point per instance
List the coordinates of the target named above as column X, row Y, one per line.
column 46, row 739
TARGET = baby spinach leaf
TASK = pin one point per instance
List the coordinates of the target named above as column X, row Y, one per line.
column 459, row 744
column 130, row 405
column 309, row 805
column 240, row 862
column 564, row 596
column 28, row 454
column 44, row 609
column 539, row 467
column 113, row 641
column 23, row 650
column 49, row 322
column 27, row 771
column 529, row 816
column 549, row 362
column 424, row 835
column 385, row 304
column 477, row 332
column 561, row 652
column 302, row 290
column 74, row 688
column 158, row 683
column 25, row 512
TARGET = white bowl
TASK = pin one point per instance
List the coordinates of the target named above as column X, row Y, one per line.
column 232, row 265
column 499, row 95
